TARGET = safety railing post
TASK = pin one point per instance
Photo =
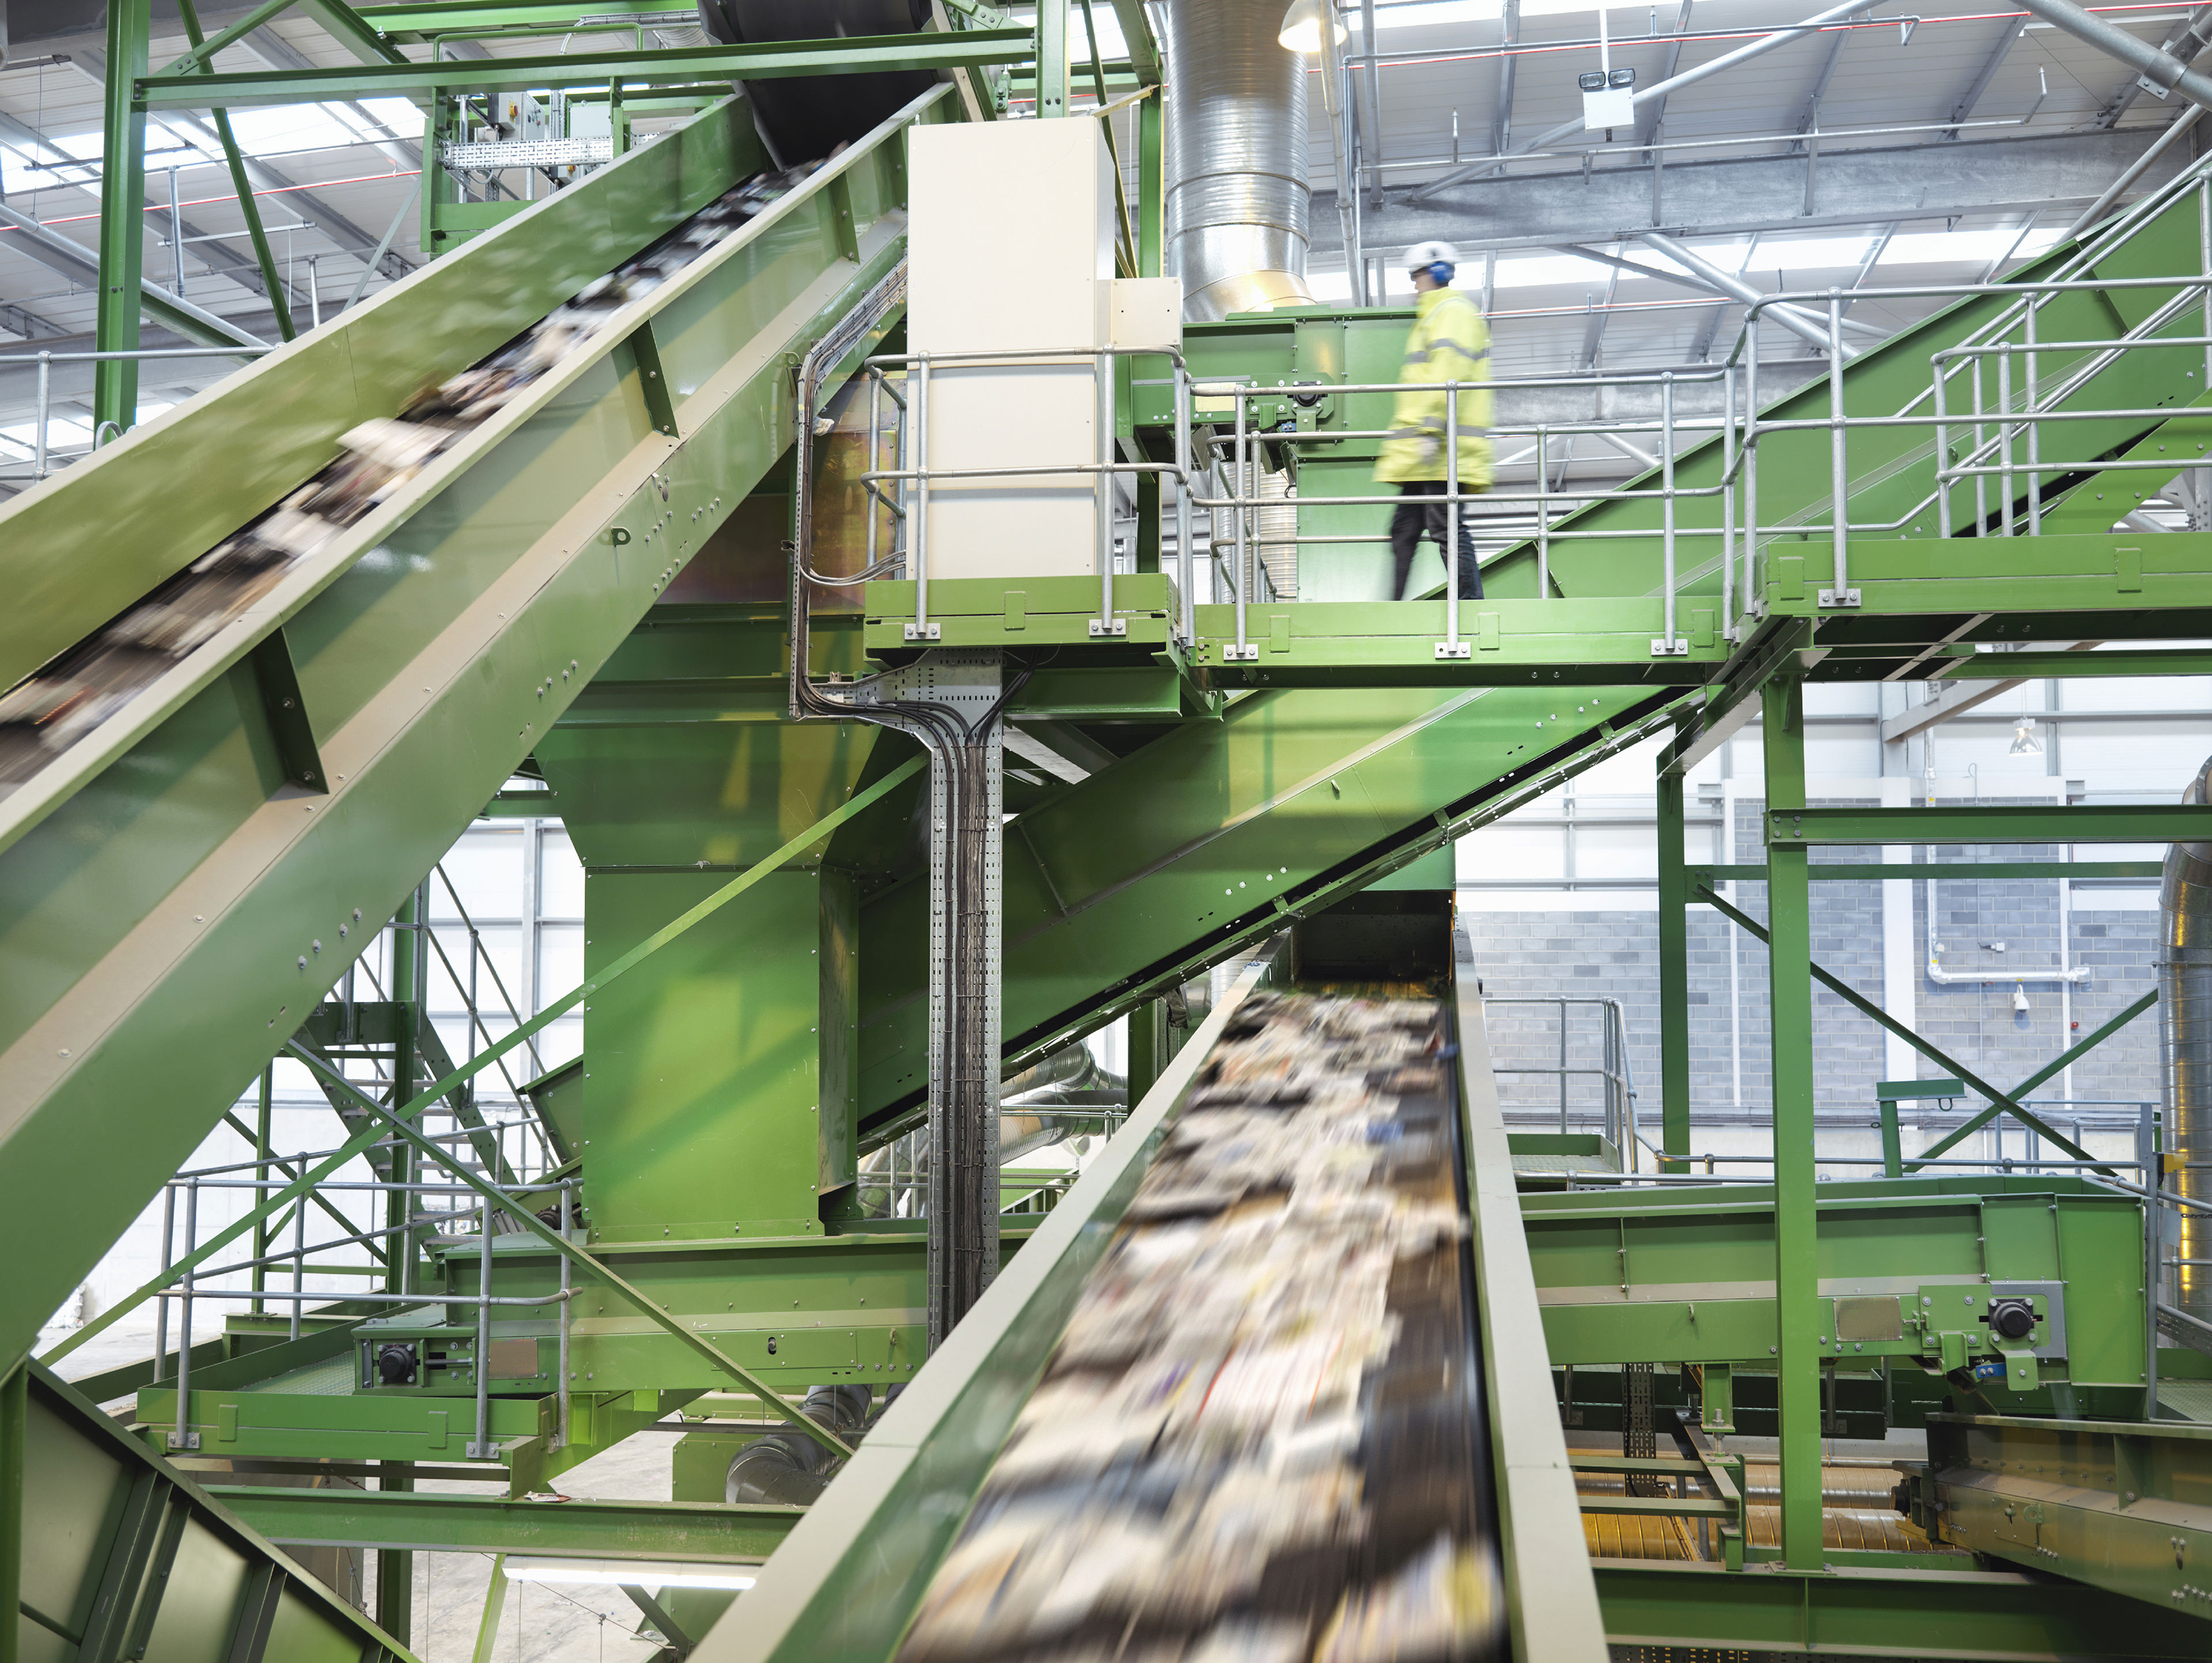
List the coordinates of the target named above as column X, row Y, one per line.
column 1184, row 571
column 1563, row 1065
column 917, row 503
column 169, row 1257
column 1944, row 479
column 1452, row 646
column 1728, row 504
column 1543, row 513
column 1839, row 477
column 1981, row 439
column 181, row 1435
column 2204, row 266
column 2034, row 428
column 480, row 1448
column 1239, row 496
column 875, row 459
column 45, row 403
column 1753, row 601
column 1106, row 623
column 298, row 1252
column 1671, row 643
column 568, row 1301
column 2007, row 491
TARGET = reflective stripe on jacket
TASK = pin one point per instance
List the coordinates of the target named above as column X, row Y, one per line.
column 1449, row 341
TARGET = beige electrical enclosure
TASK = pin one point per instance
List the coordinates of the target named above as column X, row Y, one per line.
column 1011, row 249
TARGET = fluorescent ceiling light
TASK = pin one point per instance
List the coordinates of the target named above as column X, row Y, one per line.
column 614, row 1573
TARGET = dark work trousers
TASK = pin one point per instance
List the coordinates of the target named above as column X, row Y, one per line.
column 1415, row 519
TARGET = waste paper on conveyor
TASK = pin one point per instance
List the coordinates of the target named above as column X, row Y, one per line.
column 1261, row 1438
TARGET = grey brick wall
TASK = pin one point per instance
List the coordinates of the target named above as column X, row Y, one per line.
column 1614, row 954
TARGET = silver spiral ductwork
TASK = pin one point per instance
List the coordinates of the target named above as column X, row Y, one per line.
column 1238, row 202
column 2185, row 1004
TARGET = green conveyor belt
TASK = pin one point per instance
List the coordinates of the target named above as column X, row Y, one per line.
column 172, row 905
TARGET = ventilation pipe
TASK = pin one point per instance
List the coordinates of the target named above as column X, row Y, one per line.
column 2184, row 1005
column 1238, row 202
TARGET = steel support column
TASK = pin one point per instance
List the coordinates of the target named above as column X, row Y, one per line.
column 1796, row 1277
column 395, row 1567
column 1151, row 192
column 122, row 213
column 1674, row 975
column 1052, row 58
column 15, row 1425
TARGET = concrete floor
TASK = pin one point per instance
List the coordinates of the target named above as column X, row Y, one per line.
column 542, row 1623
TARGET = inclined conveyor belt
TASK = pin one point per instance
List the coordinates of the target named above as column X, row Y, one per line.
column 1261, row 1436
column 47, row 713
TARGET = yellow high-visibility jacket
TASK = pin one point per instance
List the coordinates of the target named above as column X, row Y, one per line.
column 1451, row 341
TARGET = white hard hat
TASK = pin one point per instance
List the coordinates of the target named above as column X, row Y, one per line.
column 1423, row 255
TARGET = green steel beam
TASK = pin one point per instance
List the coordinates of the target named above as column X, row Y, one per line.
column 1932, row 1613
column 345, row 25
column 1143, row 51
column 2122, row 1507
column 114, row 1520
column 1289, row 799
column 1052, row 58
column 1866, row 1007
column 2056, row 1065
column 655, row 1311
column 204, row 51
column 1962, row 870
column 122, row 219
column 249, row 204
column 576, row 1528
column 1796, row 1275
column 1674, row 899
column 1151, row 186
column 495, row 1607
column 1968, row 665
column 400, row 1119
column 1551, row 1602
column 417, row 23
column 15, row 1426
column 2099, row 822
column 970, row 49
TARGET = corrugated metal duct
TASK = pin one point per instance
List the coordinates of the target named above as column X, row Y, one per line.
column 2184, row 1005
column 1237, row 204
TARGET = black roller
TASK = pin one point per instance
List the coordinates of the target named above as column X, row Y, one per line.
column 804, row 118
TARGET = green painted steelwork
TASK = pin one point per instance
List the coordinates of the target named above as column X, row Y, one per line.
column 131, row 1557
column 2007, row 1101
column 1291, row 797
column 122, row 216
column 1866, row 872
column 2124, row 1507
column 1796, row 1273
column 2100, row 822
column 968, row 49
column 153, row 883
column 1687, row 1274
column 2006, row 1616
column 706, row 1532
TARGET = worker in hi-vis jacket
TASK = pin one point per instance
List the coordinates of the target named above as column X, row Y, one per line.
column 1451, row 341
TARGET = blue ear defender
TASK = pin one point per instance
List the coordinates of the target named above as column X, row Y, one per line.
column 1441, row 272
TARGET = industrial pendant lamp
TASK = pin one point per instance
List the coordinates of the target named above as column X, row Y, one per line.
column 1303, row 23
column 2024, row 741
